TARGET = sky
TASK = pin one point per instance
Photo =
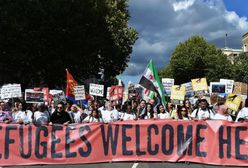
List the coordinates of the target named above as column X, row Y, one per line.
column 162, row 24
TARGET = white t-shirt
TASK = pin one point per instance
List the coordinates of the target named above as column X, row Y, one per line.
column 109, row 116
column 75, row 116
column 25, row 116
column 41, row 117
column 91, row 119
column 127, row 116
column 243, row 113
column 207, row 113
column 218, row 116
column 148, row 116
column 185, row 118
column 165, row 115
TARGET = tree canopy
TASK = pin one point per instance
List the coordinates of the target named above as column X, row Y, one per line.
column 241, row 67
column 196, row 58
column 39, row 39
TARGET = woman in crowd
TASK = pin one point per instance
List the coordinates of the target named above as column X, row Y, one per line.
column 4, row 115
column 188, row 106
column 162, row 114
column 41, row 116
column 128, row 112
column 23, row 116
column 149, row 113
column 183, row 113
column 94, row 116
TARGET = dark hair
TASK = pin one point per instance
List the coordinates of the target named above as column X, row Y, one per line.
column 180, row 116
column 158, row 108
column 97, row 113
column 246, row 102
column 151, row 112
column 61, row 103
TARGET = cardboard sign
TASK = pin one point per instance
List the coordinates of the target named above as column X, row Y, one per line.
column 57, row 96
column 46, row 93
column 199, row 84
column 32, row 96
column 96, row 90
column 79, row 92
column 167, row 83
column 178, row 93
column 189, row 89
column 116, row 93
column 229, row 85
column 233, row 101
column 240, row 88
column 11, row 91
column 217, row 87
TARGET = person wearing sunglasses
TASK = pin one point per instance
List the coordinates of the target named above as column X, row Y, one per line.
column 60, row 116
column 183, row 113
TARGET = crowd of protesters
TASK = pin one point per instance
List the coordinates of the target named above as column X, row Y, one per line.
column 20, row 112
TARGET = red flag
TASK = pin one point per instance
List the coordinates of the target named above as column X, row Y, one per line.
column 70, row 83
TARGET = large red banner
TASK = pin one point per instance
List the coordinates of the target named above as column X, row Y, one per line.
column 210, row 142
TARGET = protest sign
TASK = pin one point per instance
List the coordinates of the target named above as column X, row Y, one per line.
column 217, row 87
column 167, row 83
column 96, row 90
column 116, row 93
column 135, row 92
column 46, row 93
column 189, row 89
column 32, row 96
column 240, row 88
column 205, row 142
column 11, row 91
column 79, row 92
column 108, row 90
column 199, row 84
column 178, row 92
column 229, row 85
column 57, row 96
column 233, row 101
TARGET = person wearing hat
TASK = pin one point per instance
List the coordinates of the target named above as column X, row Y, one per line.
column 222, row 113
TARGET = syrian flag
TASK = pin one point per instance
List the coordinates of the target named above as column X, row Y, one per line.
column 150, row 80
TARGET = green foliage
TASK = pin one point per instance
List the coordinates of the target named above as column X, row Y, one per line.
column 241, row 68
column 39, row 39
column 196, row 58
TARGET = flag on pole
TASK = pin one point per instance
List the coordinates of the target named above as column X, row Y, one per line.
column 70, row 83
column 150, row 80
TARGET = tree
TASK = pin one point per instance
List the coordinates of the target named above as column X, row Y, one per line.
column 39, row 39
column 241, row 67
column 196, row 58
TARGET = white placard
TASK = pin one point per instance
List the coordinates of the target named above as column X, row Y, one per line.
column 229, row 85
column 217, row 87
column 79, row 92
column 96, row 90
column 11, row 91
column 167, row 83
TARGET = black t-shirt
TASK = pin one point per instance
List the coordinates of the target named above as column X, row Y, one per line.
column 60, row 117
